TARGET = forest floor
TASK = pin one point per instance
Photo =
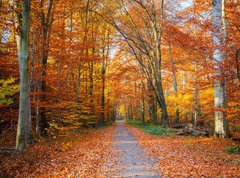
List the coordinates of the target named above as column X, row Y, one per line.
column 121, row 150
column 85, row 154
column 181, row 156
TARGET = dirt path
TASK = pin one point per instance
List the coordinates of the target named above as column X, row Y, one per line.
column 134, row 162
column 104, row 152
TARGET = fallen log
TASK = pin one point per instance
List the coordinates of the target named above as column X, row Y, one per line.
column 7, row 150
column 236, row 139
column 193, row 132
column 182, row 125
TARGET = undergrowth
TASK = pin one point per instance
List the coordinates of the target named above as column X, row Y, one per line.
column 107, row 123
column 156, row 130
column 233, row 149
column 134, row 122
column 151, row 128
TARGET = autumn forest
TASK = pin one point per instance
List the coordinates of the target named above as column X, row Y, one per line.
column 119, row 88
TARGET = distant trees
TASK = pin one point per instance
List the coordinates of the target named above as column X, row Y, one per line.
column 144, row 39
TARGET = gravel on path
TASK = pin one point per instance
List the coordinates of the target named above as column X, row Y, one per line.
column 134, row 161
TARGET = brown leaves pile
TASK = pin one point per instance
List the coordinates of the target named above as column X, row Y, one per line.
column 190, row 157
column 76, row 155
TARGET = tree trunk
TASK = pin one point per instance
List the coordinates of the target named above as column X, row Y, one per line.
column 157, row 31
column 143, row 98
column 177, row 117
column 46, row 23
column 22, row 38
column 91, row 68
column 78, row 83
column 103, row 72
column 196, row 87
column 103, row 96
column 196, row 96
column 35, row 56
column 28, row 129
column 219, row 82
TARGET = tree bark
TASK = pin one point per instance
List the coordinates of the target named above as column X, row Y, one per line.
column 23, row 26
column 219, row 82
column 28, row 129
column 196, row 96
column 196, row 86
column 143, row 100
column 46, row 23
column 78, row 83
column 177, row 117
column 103, row 94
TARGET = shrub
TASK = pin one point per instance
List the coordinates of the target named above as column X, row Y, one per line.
column 233, row 149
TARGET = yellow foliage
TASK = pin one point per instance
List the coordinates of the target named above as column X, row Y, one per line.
column 122, row 109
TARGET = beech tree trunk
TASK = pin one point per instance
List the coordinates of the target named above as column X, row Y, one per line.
column 152, row 103
column 91, row 68
column 105, row 56
column 221, row 125
column 46, row 23
column 143, row 103
column 196, row 96
column 103, row 72
column 177, row 117
column 23, row 25
column 103, row 97
column 143, row 95
column 196, row 86
column 28, row 129
column 78, row 83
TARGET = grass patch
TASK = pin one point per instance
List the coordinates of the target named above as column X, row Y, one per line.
column 156, row 130
column 233, row 149
column 134, row 122
column 151, row 128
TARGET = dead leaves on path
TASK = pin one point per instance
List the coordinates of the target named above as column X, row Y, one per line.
column 77, row 155
column 190, row 157
column 92, row 155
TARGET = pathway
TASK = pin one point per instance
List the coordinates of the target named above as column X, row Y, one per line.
column 134, row 160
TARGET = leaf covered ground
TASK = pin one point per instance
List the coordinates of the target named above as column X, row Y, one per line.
column 85, row 154
column 190, row 157
column 91, row 153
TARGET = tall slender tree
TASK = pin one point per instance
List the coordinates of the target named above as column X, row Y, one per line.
column 219, row 81
column 46, row 25
column 22, row 24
